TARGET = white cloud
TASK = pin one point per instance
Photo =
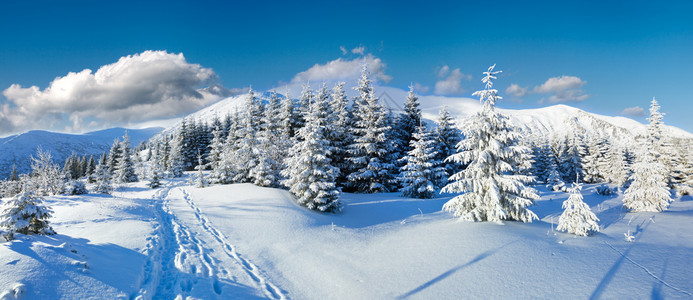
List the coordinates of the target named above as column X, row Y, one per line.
column 450, row 83
column 559, row 84
column 146, row 86
column 635, row 111
column 359, row 50
column 343, row 69
column 419, row 88
column 444, row 70
column 344, row 50
column 564, row 89
column 516, row 90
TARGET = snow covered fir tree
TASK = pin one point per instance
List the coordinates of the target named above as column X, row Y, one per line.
column 25, row 213
column 577, row 217
column 371, row 153
column 648, row 190
column 490, row 150
column 421, row 171
column 447, row 137
column 310, row 174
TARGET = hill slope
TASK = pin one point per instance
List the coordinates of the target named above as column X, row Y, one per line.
column 17, row 149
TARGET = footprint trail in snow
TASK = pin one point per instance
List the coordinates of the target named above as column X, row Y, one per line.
column 195, row 259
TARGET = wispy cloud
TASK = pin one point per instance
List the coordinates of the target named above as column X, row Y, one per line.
column 516, row 90
column 419, row 88
column 359, row 50
column 140, row 87
column 635, row 111
column 554, row 90
column 344, row 70
column 559, row 84
column 450, row 82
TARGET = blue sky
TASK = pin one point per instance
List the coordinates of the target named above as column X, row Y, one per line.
column 603, row 57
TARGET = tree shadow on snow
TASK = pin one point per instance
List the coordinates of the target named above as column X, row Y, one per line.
column 447, row 273
column 65, row 262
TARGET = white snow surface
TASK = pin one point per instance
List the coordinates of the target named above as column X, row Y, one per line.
column 241, row 241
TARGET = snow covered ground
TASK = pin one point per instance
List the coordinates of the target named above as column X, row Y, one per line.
column 243, row 241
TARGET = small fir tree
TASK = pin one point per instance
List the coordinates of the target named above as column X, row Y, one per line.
column 25, row 213
column 577, row 217
column 155, row 176
column 201, row 180
column 421, row 171
column 554, row 181
column 102, row 178
column 13, row 174
column 46, row 174
column 126, row 168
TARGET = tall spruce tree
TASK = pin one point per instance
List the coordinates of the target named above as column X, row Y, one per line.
column 102, row 177
column 618, row 166
column 340, row 135
column 447, row 137
column 177, row 156
column 656, row 139
column 114, row 157
column 591, row 161
column 309, row 172
column 571, row 166
column 648, row 190
column 126, row 168
column 228, row 167
column 247, row 157
column 370, row 154
column 406, row 125
column 490, row 148
column 215, row 153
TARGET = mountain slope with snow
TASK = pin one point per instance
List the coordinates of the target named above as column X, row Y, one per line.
column 541, row 122
column 17, row 149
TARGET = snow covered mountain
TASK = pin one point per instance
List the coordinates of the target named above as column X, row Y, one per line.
column 541, row 122
column 17, row 149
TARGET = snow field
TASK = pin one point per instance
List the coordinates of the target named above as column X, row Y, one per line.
column 241, row 241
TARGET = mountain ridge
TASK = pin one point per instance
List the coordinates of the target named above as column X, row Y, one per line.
column 545, row 121
column 17, row 149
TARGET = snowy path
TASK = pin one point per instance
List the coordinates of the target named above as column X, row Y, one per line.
column 270, row 290
column 194, row 259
